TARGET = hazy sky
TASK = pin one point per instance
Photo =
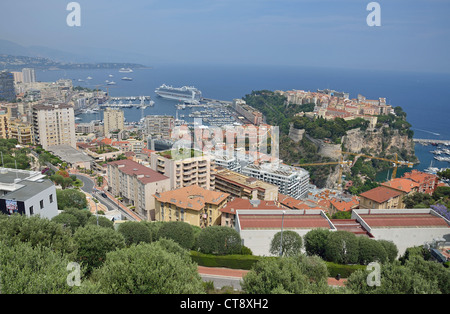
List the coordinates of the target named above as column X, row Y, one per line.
column 414, row 35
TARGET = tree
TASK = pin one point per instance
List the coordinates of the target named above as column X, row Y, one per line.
column 295, row 275
column 67, row 220
column 179, row 231
column 315, row 241
column 391, row 250
column 394, row 279
column 37, row 232
column 291, row 246
column 94, row 243
column 219, row 240
column 371, row 251
column 148, row 269
column 28, row 269
column 71, row 198
column 102, row 221
column 135, row 232
column 342, row 248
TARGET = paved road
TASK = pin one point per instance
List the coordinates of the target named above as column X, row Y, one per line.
column 88, row 184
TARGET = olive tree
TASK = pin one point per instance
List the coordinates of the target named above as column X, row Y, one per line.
column 289, row 241
column 219, row 240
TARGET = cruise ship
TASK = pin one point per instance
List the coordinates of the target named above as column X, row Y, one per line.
column 125, row 70
column 187, row 94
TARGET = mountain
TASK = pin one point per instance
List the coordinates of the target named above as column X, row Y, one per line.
column 77, row 54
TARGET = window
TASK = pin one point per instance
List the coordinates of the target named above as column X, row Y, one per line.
column 41, row 203
column 31, row 210
column 50, row 198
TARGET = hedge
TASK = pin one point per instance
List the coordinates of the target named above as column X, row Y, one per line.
column 235, row 261
column 246, row 262
column 344, row 270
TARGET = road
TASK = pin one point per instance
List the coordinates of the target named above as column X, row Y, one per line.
column 88, row 186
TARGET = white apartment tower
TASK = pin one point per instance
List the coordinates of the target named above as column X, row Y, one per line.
column 54, row 125
column 113, row 120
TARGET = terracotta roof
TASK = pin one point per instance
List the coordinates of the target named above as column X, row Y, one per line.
column 419, row 177
column 401, row 184
column 273, row 221
column 241, row 203
column 404, row 220
column 380, row 194
column 191, row 197
column 343, row 206
column 143, row 173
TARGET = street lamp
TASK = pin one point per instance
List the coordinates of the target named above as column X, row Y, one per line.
column 281, row 240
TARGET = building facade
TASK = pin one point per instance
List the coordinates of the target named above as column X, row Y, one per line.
column 113, row 120
column 192, row 204
column 381, row 198
column 185, row 170
column 7, row 89
column 159, row 125
column 136, row 185
column 54, row 125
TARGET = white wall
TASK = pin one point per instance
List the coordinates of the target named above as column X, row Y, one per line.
column 50, row 210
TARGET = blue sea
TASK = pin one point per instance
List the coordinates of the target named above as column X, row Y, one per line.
column 425, row 97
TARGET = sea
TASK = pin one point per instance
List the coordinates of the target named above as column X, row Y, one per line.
column 425, row 97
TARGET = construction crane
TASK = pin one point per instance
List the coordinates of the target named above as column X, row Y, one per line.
column 341, row 162
column 396, row 163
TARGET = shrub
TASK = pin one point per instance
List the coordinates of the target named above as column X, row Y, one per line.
column 291, row 245
column 135, row 232
column 315, row 241
column 181, row 232
column 219, row 240
column 342, row 248
column 391, row 249
column 371, row 251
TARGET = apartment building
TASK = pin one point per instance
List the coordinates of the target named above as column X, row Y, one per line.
column 113, row 120
column 27, row 193
column 4, row 123
column 185, row 169
column 21, row 131
column 290, row 181
column 136, row 185
column 7, row 89
column 159, row 125
column 427, row 182
column 54, row 125
column 242, row 186
column 192, row 204
column 381, row 198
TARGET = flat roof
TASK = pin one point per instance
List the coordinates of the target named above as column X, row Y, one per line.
column 69, row 154
column 8, row 175
column 28, row 189
column 293, row 219
column 243, row 180
column 402, row 218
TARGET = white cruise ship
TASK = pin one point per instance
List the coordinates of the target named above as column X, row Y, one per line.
column 187, row 94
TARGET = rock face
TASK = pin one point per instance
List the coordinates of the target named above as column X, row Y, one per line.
column 376, row 142
column 296, row 134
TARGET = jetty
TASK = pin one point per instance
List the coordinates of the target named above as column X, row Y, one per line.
column 425, row 141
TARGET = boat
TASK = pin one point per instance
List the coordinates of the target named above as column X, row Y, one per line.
column 112, row 83
column 127, row 78
column 89, row 78
column 111, row 75
column 125, row 70
column 188, row 94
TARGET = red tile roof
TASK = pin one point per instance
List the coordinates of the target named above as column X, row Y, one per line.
column 241, row 203
column 404, row 220
column 401, row 184
column 380, row 194
column 291, row 221
column 143, row 173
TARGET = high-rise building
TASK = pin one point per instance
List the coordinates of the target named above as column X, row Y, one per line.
column 185, row 168
column 159, row 125
column 7, row 90
column 4, row 123
column 28, row 75
column 113, row 120
column 54, row 125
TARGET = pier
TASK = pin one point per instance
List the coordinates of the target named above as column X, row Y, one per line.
column 431, row 142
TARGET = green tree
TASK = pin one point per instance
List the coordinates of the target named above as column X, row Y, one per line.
column 135, row 232
column 431, row 271
column 291, row 246
column 36, row 231
column 71, row 198
column 28, row 269
column 371, row 250
column 94, row 243
column 342, row 248
column 315, row 241
column 391, row 249
column 67, row 220
column 148, row 269
column 394, row 279
column 102, row 221
column 180, row 232
column 219, row 240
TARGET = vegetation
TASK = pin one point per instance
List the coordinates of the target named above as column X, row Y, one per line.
column 178, row 231
column 291, row 245
column 71, row 198
column 135, row 233
column 219, row 240
column 13, row 156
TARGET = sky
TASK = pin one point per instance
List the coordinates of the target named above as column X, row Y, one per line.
column 414, row 35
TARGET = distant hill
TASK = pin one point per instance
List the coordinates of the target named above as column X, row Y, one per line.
column 17, row 63
column 46, row 57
